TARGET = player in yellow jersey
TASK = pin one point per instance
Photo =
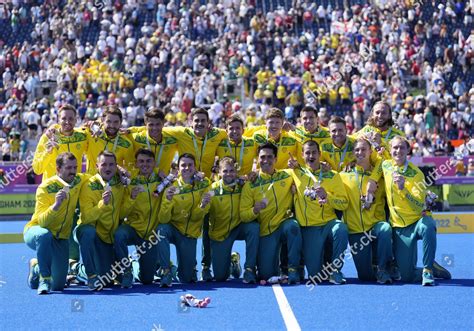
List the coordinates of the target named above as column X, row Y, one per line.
column 273, row 133
column 310, row 130
column 50, row 227
column 141, row 207
column 101, row 202
column 156, row 139
column 269, row 200
column 319, row 194
column 242, row 149
column 60, row 139
column 365, row 217
column 111, row 139
column 225, row 227
column 202, row 143
column 406, row 199
column 380, row 127
column 181, row 215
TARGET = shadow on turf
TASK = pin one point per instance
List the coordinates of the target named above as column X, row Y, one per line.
column 155, row 288
column 139, row 289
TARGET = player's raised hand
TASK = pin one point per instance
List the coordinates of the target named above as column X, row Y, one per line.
column 206, row 198
column 59, row 198
column 107, row 196
column 325, row 167
column 287, row 126
column 292, row 163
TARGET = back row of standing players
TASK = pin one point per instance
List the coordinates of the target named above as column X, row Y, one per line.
column 277, row 185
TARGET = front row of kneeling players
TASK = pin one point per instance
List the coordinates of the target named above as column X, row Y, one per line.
column 296, row 207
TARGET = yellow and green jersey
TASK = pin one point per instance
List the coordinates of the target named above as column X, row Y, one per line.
column 60, row 221
column 44, row 163
column 286, row 144
column 224, row 211
column 360, row 220
column 244, row 153
column 120, row 145
column 105, row 218
column 204, row 149
column 142, row 212
column 184, row 211
column 406, row 206
column 164, row 151
column 277, row 189
column 310, row 212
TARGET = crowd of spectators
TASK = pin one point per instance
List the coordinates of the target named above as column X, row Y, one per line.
column 238, row 56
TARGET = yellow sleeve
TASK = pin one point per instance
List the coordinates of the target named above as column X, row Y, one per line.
column 246, row 204
column 135, row 129
column 42, row 158
column 250, row 131
column 44, row 208
column 175, row 130
column 91, row 211
column 337, row 196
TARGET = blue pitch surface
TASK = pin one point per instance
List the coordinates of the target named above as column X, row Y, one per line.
column 237, row 306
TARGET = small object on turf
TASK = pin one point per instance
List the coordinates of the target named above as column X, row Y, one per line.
column 263, row 282
column 191, row 301
column 273, row 280
column 283, row 279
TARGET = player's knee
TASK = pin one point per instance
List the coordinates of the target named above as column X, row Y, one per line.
column 44, row 236
column 120, row 236
column 385, row 231
column 339, row 230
